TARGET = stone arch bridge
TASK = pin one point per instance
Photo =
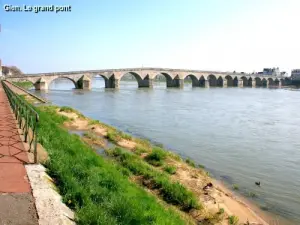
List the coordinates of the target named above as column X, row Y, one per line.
column 146, row 76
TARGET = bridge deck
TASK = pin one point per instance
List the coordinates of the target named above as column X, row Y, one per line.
column 17, row 203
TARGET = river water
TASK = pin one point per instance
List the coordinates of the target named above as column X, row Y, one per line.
column 241, row 135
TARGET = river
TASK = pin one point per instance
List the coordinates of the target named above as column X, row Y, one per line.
column 240, row 135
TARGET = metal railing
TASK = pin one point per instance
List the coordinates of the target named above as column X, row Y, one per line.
column 27, row 118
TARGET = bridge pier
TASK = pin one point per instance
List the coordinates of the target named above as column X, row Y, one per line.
column 145, row 83
column 240, row 83
column 225, row 83
column 175, row 83
column 112, row 83
column 41, row 84
column 206, row 84
column 84, row 83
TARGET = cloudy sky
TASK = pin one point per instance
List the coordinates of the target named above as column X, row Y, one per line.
column 241, row 35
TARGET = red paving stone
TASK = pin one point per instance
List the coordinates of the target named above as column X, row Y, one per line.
column 13, row 177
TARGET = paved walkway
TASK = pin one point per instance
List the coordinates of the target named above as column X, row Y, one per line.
column 16, row 201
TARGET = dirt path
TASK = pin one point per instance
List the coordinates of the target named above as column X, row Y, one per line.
column 17, row 204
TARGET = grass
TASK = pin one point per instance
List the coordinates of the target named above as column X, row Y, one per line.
column 190, row 162
column 171, row 192
column 93, row 122
column 156, row 157
column 201, row 166
column 252, row 195
column 139, row 149
column 233, row 220
column 170, row 169
column 68, row 109
column 221, row 211
column 113, row 136
column 235, row 187
column 97, row 190
column 24, row 84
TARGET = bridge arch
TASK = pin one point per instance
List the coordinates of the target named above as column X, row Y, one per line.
column 264, row 82
column 94, row 76
column 245, row 81
column 229, row 80
column 134, row 74
column 50, row 81
column 250, row 82
column 195, row 81
column 270, row 82
column 276, row 82
column 220, row 81
column 258, row 81
column 170, row 82
column 166, row 75
column 212, row 80
column 202, row 81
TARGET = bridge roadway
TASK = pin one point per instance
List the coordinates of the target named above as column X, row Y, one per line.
column 146, row 76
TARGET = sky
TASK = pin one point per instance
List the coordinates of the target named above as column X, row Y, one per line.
column 218, row 35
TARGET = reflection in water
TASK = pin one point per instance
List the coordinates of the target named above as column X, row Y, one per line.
column 242, row 135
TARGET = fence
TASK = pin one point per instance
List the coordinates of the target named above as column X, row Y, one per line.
column 27, row 118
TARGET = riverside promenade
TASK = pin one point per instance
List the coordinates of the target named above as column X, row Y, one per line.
column 17, row 205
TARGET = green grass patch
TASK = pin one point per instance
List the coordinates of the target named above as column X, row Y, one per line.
column 201, row 166
column 113, row 136
column 170, row 169
column 93, row 122
column 171, row 192
column 233, row 220
column 24, row 84
column 235, row 187
column 68, row 109
column 140, row 150
column 125, row 136
column 190, row 162
column 174, row 156
column 96, row 189
column 156, row 157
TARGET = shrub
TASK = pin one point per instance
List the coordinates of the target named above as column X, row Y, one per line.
column 156, row 157
column 140, row 149
column 170, row 169
column 233, row 220
column 190, row 162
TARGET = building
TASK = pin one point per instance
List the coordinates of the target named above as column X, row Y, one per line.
column 295, row 74
column 284, row 74
column 271, row 71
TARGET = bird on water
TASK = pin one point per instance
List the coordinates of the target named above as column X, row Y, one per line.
column 257, row 183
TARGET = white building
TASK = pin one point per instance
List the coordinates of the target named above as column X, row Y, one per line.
column 295, row 74
column 271, row 71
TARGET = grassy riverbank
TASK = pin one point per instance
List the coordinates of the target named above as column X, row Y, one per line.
column 98, row 190
column 149, row 166
column 24, row 84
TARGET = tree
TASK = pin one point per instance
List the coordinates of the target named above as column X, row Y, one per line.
column 15, row 71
